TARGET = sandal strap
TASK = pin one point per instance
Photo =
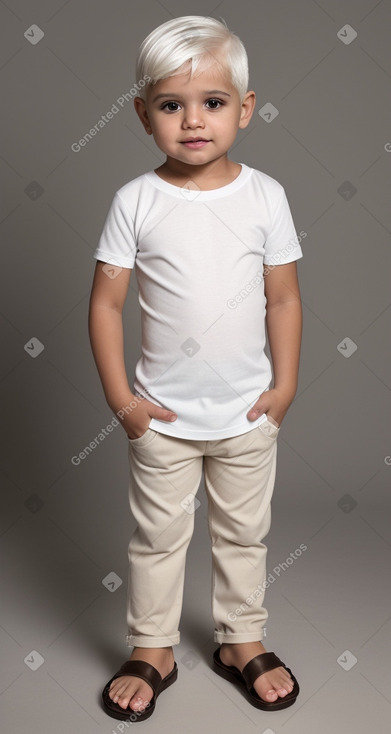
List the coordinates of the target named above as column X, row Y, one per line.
column 258, row 665
column 141, row 669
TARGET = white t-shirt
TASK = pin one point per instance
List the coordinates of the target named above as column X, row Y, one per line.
column 198, row 258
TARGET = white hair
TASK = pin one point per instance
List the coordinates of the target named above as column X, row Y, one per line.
column 195, row 39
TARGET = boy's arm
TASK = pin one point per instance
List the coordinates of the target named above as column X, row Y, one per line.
column 284, row 320
column 105, row 326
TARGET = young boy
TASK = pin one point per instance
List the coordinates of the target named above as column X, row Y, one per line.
column 212, row 242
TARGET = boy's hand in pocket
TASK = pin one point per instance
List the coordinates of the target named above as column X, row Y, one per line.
column 136, row 420
column 274, row 404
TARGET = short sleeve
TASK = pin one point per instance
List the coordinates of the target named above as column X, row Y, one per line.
column 117, row 244
column 282, row 243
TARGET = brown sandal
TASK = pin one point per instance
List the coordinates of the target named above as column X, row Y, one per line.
column 146, row 671
column 257, row 666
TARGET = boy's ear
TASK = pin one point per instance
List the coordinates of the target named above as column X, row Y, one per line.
column 140, row 107
column 247, row 110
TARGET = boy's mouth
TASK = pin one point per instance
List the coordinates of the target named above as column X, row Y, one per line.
column 194, row 142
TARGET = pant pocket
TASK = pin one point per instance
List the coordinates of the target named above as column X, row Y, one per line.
column 144, row 440
column 269, row 429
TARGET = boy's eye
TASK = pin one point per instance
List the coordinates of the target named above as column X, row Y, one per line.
column 169, row 105
column 172, row 106
column 215, row 101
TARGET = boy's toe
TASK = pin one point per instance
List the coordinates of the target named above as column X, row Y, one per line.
column 123, row 693
column 270, row 695
column 269, row 686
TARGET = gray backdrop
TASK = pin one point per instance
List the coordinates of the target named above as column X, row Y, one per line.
column 65, row 526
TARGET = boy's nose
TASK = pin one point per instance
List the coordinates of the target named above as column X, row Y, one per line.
column 193, row 117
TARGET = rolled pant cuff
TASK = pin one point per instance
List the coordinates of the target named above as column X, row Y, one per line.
column 150, row 641
column 238, row 636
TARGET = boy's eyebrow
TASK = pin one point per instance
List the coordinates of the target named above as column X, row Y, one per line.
column 208, row 91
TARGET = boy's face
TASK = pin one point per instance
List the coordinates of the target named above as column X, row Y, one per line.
column 207, row 106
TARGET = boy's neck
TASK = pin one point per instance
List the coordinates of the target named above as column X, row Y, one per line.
column 212, row 175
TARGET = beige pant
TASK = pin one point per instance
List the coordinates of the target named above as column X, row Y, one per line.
column 165, row 474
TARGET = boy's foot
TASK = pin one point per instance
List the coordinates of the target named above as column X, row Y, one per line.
column 130, row 690
column 270, row 685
